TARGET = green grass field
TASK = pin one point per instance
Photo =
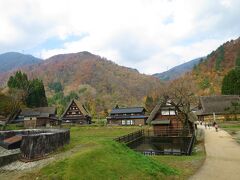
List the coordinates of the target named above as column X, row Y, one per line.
column 99, row 157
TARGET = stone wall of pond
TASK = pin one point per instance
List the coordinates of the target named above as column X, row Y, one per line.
column 11, row 133
column 36, row 146
column 8, row 158
column 38, row 143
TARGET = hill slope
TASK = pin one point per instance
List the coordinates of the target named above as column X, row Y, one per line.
column 13, row 60
column 177, row 71
column 96, row 78
column 208, row 75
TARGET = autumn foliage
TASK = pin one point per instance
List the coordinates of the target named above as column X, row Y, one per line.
column 209, row 74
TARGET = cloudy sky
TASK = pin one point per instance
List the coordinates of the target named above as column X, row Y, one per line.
column 149, row 35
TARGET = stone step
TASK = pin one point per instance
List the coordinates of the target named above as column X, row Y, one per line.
column 12, row 142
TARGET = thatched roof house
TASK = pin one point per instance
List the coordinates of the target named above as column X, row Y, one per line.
column 163, row 105
column 76, row 112
column 36, row 117
column 217, row 104
column 166, row 118
column 155, row 110
column 39, row 112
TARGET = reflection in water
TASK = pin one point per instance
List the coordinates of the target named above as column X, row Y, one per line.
column 161, row 145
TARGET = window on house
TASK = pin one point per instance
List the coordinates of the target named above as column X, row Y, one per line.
column 165, row 112
column 26, row 118
column 129, row 122
column 168, row 103
column 123, row 122
column 172, row 112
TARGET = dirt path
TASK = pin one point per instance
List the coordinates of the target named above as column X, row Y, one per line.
column 222, row 157
column 16, row 169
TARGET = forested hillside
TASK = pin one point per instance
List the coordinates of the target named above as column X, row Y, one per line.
column 209, row 74
column 99, row 83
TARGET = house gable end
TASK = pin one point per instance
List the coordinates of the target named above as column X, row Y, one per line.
column 73, row 110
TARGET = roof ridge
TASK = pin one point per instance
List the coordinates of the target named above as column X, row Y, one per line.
column 130, row 107
column 222, row 95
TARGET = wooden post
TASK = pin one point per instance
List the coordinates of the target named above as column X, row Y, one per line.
column 214, row 117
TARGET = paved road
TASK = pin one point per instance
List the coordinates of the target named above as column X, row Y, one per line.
column 222, row 157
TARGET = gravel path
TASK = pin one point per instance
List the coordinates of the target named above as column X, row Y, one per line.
column 222, row 157
column 16, row 169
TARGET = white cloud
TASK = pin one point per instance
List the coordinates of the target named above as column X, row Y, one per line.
column 149, row 35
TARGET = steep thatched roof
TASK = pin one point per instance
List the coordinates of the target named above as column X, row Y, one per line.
column 162, row 105
column 82, row 108
column 155, row 110
column 217, row 104
column 79, row 105
column 40, row 111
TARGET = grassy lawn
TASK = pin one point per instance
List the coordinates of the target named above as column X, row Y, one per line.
column 233, row 128
column 13, row 127
column 99, row 157
column 186, row 165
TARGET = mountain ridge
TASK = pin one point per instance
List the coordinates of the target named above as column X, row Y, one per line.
column 209, row 73
column 178, row 70
column 14, row 60
column 105, row 81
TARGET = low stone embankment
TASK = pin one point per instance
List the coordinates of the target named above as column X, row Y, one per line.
column 38, row 143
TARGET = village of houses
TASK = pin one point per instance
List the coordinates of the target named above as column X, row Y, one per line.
column 162, row 132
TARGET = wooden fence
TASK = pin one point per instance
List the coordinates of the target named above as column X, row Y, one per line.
column 130, row 137
column 189, row 140
column 163, row 152
column 168, row 133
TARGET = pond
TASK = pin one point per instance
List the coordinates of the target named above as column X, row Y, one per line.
column 161, row 145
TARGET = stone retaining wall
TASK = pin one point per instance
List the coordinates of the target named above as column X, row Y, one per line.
column 9, row 158
column 36, row 146
column 11, row 133
column 38, row 143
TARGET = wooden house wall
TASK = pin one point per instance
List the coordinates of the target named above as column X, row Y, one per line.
column 37, row 122
column 73, row 110
column 80, row 121
column 165, row 129
column 74, row 115
column 175, row 122
column 30, row 123
column 220, row 118
column 136, row 122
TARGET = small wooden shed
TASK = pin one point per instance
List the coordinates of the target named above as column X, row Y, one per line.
column 38, row 117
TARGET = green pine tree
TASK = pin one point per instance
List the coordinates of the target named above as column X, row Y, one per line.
column 231, row 82
column 37, row 96
column 19, row 81
column 34, row 95
column 238, row 60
